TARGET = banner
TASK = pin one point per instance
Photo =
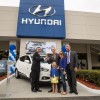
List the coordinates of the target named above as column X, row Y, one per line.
column 3, row 67
column 45, row 47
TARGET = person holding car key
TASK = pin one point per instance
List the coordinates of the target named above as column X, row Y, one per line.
column 35, row 74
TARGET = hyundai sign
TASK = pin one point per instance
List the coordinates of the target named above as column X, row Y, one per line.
column 41, row 19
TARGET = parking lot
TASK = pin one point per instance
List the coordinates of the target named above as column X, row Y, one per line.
column 21, row 88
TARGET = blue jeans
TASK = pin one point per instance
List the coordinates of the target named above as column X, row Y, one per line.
column 63, row 80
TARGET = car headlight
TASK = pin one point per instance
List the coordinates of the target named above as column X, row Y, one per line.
column 44, row 69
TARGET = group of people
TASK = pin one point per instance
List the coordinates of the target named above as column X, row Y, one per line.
column 62, row 65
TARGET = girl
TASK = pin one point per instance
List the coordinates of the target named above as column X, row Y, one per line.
column 62, row 67
column 54, row 75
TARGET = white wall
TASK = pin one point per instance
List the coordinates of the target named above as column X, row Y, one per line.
column 8, row 21
column 79, row 25
column 83, row 26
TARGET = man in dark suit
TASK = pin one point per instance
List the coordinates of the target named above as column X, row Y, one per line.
column 72, row 65
column 36, row 70
column 54, row 58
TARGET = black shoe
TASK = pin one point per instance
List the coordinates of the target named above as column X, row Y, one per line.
column 50, row 90
column 70, row 91
column 39, row 90
column 59, row 91
column 34, row 90
column 75, row 92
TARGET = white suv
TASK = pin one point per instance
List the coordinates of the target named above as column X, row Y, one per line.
column 23, row 67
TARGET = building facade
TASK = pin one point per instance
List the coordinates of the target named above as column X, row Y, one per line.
column 82, row 32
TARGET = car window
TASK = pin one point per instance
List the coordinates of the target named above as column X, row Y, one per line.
column 22, row 58
column 27, row 58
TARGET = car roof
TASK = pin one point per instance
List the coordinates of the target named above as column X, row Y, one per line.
column 32, row 55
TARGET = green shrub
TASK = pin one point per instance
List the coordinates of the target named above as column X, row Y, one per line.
column 92, row 76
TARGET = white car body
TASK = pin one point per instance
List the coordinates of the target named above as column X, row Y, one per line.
column 23, row 67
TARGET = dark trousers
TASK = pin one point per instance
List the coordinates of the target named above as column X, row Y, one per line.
column 59, row 84
column 35, row 79
column 63, row 80
column 71, row 76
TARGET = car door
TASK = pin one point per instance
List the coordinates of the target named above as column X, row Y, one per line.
column 28, row 66
column 21, row 64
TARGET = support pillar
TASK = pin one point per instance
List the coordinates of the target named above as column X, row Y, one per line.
column 89, row 62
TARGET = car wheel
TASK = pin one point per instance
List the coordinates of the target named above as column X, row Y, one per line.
column 17, row 74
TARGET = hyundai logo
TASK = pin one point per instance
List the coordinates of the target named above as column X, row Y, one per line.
column 42, row 10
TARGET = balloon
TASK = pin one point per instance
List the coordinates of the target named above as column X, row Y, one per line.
column 12, row 47
column 64, row 49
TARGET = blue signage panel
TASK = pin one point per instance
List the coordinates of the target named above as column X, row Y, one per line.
column 41, row 18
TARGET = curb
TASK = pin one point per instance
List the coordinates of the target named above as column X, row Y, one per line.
column 89, row 89
column 1, row 82
column 56, row 98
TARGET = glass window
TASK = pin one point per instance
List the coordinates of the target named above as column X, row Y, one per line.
column 82, row 59
column 27, row 58
column 22, row 58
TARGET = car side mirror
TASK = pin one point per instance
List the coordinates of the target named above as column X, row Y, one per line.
column 26, row 61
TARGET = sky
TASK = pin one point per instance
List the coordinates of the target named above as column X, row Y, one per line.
column 74, row 5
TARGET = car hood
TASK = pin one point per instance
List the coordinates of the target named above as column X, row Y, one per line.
column 46, row 65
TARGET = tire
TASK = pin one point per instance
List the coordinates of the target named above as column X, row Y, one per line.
column 17, row 75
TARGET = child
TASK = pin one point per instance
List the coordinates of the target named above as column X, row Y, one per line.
column 54, row 75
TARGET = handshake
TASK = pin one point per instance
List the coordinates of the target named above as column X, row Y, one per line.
column 46, row 58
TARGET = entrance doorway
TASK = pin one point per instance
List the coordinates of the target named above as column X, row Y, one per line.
column 82, row 60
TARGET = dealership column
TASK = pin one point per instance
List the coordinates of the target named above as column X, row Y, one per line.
column 89, row 57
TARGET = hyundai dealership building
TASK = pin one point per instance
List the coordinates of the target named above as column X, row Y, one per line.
column 46, row 21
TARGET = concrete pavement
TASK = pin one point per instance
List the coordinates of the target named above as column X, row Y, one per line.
column 21, row 88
